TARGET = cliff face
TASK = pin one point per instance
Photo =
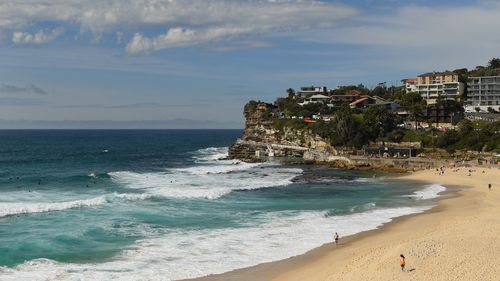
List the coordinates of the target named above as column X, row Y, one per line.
column 258, row 123
column 260, row 132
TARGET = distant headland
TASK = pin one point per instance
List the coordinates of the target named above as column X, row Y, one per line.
column 450, row 116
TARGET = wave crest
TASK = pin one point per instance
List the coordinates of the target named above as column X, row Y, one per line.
column 9, row 209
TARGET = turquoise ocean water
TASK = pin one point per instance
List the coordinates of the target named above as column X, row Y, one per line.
column 166, row 204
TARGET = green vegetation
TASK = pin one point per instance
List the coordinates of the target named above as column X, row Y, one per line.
column 492, row 69
column 415, row 105
column 355, row 127
column 348, row 128
column 478, row 136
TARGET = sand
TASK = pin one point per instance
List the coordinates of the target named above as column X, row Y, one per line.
column 457, row 240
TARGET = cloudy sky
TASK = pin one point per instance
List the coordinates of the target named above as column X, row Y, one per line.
column 194, row 63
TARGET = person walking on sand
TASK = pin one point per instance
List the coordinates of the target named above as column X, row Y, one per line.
column 402, row 262
column 489, row 186
column 336, row 237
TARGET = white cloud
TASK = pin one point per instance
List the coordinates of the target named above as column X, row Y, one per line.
column 214, row 21
column 188, row 22
column 180, row 37
column 41, row 37
column 424, row 38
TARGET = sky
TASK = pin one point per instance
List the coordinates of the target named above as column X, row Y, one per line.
column 195, row 63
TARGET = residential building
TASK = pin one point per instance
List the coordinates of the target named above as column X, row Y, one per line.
column 483, row 92
column 439, row 84
column 365, row 101
column 439, row 114
column 315, row 99
column 410, row 84
column 312, row 90
column 347, row 98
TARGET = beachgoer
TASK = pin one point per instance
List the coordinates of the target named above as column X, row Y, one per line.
column 402, row 262
column 489, row 186
column 336, row 237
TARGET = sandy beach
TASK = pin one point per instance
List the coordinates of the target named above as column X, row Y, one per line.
column 456, row 240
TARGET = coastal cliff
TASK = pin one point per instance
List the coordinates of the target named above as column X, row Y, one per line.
column 266, row 136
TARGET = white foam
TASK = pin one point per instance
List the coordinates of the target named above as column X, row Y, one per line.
column 429, row 192
column 211, row 178
column 182, row 184
column 10, row 208
column 189, row 254
column 224, row 166
column 133, row 196
column 211, row 154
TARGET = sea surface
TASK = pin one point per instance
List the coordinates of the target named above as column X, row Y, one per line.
column 167, row 204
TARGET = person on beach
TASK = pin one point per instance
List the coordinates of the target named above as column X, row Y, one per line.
column 489, row 186
column 336, row 237
column 402, row 262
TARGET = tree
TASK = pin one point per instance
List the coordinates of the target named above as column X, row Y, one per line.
column 291, row 92
column 415, row 104
column 439, row 104
column 344, row 126
column 494, row 63
column 379, row 91
column 465, row 127
column 394, row 93
column 491, row 109
column 377, row 123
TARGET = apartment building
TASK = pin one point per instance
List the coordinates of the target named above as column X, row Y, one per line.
column 483, row 92
column 410, row 85
column 435, row 84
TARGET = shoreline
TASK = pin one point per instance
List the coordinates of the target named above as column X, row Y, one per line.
column 331, row 262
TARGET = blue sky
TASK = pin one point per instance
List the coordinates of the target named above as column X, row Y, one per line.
column 194, row 64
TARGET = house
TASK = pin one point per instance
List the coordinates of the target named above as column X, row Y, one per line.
column 410, row 84
column 312, row 90
column 439, row 84
column 318, row 98
column 348, row 97
column 365, row 101
column 387, row 105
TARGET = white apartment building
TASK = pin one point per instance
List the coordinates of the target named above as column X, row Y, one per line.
column 439, row 84
column 410, row 85
column 483, row 92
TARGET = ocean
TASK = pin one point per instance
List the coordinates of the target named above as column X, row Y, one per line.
column 167, row 204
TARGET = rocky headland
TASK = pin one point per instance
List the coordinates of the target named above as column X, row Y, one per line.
column 265, row 138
